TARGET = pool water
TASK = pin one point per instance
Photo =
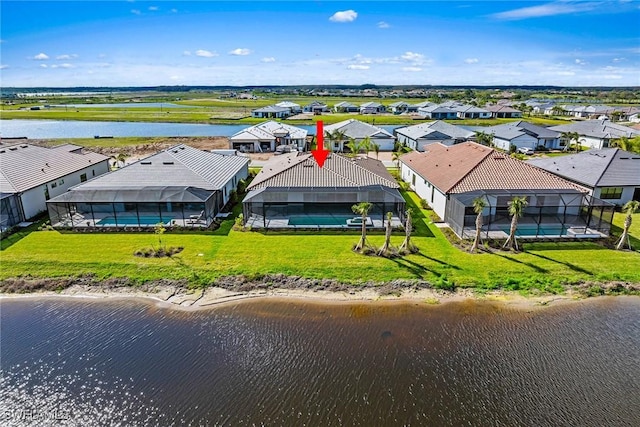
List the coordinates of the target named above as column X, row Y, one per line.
column 320, row 220
column 549, row 230
column 110, row 221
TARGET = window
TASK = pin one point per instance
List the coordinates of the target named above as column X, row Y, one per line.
column 54, row 185
column 83, row 177
column 93, row 172
column 413, row 180
column 611, row 192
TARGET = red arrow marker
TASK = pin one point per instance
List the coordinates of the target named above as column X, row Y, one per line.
column 320, row 154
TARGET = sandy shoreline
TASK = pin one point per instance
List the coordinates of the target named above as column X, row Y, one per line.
column 199, row 299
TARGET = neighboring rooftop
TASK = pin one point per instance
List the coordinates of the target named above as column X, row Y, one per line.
column 270, row 130
column 178, row 166
column 301, row 170
column 598, row 129
column 356, row 129
column 608, row 167
column 470, row 166
column 25, row 166
column 509, row 131
column 422, row 130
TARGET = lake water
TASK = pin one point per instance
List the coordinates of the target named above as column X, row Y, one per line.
column 128, row 105
column 46, row 129
column 279, row 363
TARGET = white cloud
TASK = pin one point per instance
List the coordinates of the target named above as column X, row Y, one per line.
column 102, row 55
column 549, row 9
column 186, row 53
column 174, row 10
column 153, row 8
column 565, row 73
column 383, row 25
column 412, row 69
column 471, row 60
column 3, row 66
column 205, row 53
column 43, row 66
column 240, row 52
column 67, row 57
column 619, row 59
column 412, row 57
column 344, row 16
column 269, row 59
column 41, row 56
column 136, row 12
column 580, row 62
column 357, row 67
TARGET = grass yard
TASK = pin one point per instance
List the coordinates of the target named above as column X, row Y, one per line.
column 206, row 256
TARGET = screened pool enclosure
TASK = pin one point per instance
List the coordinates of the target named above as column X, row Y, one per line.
column 143, row 207
column 548, row 214
column 320, row 207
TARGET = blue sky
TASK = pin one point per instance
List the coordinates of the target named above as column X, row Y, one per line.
column 134, row 43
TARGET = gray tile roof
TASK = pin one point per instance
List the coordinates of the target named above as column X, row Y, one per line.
column 356, row 129
column 178, row 166
column 513, row 130
column 301, row 170
column 25, row 166
column 608, row 167
column 422, row 130
column 598, row 129
column 268, row 130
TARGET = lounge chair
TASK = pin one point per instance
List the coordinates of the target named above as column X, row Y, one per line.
column 357, row 221
column 195, row 219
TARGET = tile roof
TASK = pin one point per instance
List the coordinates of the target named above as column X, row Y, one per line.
column 271, row 109
column 598, row 129
column 356, row 129
column 268, row 131
column 424, row 129
column 470, row 166
column 608, row 167
column 513, row 130
column 178, row 166
column 301, row 170
column 25, row 166
column 501, row 109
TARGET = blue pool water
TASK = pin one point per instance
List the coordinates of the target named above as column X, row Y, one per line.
column 320, row 220
column 549, row 230
column 110, row 221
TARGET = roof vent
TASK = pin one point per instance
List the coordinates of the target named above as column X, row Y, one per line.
column 3, row 151
column 24, row 146
column 145, row 163
column 12, row 148
column 167, row 163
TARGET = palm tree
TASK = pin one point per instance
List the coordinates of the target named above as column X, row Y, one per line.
column 362, row 208
column 335, row 136
column 516, row 210
column 630, row 208
column 376, row 148
column 365, row 144
column 353, row 146
column 479, row 204
column 387, row 237
column 624, row 143
column 120, row 158
column 557, row 110
column 484, row 139
column 395, row 155
column 568, row 137
column 406, row 245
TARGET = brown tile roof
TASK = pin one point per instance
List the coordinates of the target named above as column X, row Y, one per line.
column 301, row 170
column 469, row 167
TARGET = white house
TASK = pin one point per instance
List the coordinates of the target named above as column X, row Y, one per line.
column 345, row 107
column 267, row 136
column 418, row 136
column 292, row 106
column 372, row 108
column 597, row 133
column 357, row 130
column 271, row 112
column 524, row 134
column 437, row 112
column 30, row 175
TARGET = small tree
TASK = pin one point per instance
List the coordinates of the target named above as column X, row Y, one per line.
column 362, row 209
column 387, row 237
column 406, row 245
column 630, row 208
column 159, row 230
column 479, row 204
column 484, row 138
column 516, row 210
column 569, row 137
column 376, row 148
column 121, row 158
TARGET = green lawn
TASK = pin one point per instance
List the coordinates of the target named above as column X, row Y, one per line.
column 544, row 266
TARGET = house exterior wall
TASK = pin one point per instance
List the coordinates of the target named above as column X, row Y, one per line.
column 424, row 189
column 386, row 144
column 521, row 141
column 34, row 200
column 627, row 194
column 593, row 142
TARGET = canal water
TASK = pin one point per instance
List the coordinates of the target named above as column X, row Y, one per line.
column 282, row 363
column 50, row 129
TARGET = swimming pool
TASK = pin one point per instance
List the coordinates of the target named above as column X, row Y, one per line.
column 320, row 220
column 541, row 231
column 142, row 221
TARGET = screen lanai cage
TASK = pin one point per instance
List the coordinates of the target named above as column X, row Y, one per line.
column 318, row 207
column 548, row 214
column 143, row 207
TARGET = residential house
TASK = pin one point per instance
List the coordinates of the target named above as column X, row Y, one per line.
column 597, row 133
column 358, row 131
column 30, row 175
column 524, row 134
column 418, row 136
column 610, row 174
column 292, row 106
column 271, row 112
column 372, row 108
column 316, row 107
column 345, row 107
column 503, row 111
column 437, row 112
column 267, row 136
column 292, row 191
column 399, row 107
column 178, row 187
column 450, row 178
column 465, row 111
